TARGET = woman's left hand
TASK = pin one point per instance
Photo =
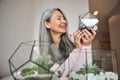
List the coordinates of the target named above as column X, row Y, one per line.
column 88, row 36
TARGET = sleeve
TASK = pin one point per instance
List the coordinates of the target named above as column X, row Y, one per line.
column 84, row 58
column 76, row 60
column 81, row 57
column 68, row 64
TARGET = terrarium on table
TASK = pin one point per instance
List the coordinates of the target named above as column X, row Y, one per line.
column 32, row 61
column 102, row 67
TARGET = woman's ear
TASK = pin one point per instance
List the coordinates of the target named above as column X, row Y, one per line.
column 46, row 24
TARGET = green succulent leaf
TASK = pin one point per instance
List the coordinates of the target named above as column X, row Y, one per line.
column 45, row 61
column 29, row 71
column 90, row 69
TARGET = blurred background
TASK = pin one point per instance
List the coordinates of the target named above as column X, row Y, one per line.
column 20, row 19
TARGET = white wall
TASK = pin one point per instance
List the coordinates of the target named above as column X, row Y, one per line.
column 19, row 21
column 16, row 26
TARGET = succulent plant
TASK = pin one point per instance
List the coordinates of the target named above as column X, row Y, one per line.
column 29, row 71
column 90, row 69
column 45, row 61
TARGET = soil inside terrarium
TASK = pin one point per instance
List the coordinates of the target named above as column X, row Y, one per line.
column 37, row 78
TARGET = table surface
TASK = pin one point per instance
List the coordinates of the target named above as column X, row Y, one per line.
column 11, row 78
column 7, row 78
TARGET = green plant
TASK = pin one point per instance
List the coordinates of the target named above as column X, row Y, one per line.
column 29, row 71
column 90, row 69
column 45, row 61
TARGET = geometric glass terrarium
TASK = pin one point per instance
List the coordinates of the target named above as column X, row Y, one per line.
column 31, row 61
column 102, row 67
column 88, row 21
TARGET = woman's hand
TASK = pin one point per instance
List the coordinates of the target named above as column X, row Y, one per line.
column 88, row 36
column 77, row 37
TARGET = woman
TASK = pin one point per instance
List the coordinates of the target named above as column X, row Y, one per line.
column 67, row 51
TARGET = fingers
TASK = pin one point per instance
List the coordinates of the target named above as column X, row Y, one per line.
column 77, row 35
column 93, row 32
column 87, row 34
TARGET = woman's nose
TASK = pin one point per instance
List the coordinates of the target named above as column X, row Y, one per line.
column 63, row 20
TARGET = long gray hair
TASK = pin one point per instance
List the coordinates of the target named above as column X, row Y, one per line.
column 66, row 46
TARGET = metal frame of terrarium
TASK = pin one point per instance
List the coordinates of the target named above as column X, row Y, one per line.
column 88, row 21
column 13, row 69
column 99, row 60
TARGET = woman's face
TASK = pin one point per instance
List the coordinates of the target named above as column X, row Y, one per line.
column 57, row 23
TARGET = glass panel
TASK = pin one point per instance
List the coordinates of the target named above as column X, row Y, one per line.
column 34, row 59
column 22, row 54
column 102, row 67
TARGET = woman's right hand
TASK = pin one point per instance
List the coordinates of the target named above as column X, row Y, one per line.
column 77, row 35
